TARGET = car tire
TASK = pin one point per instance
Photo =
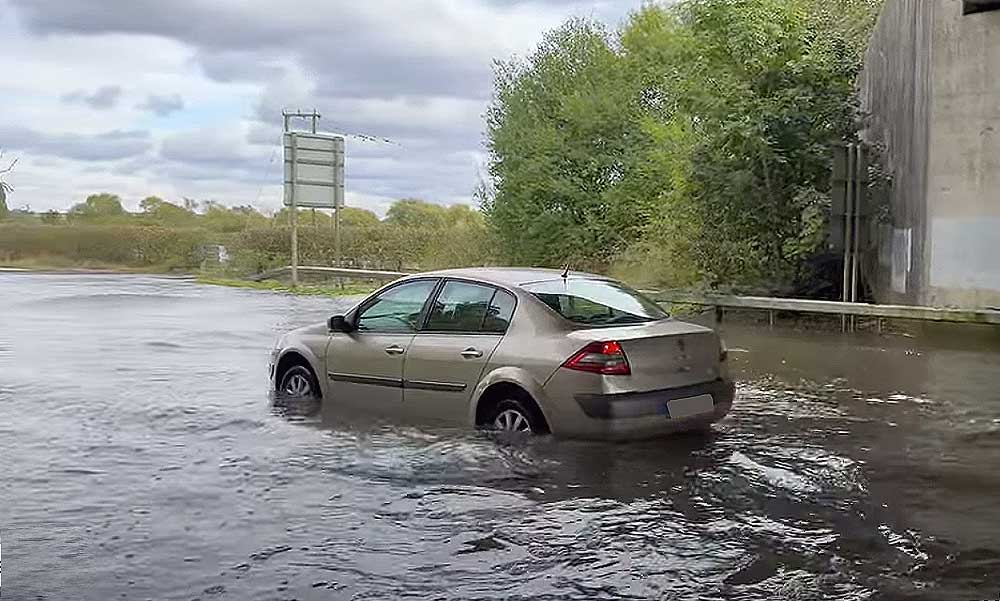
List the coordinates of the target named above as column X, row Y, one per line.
column 514, row 416
column 299, row 382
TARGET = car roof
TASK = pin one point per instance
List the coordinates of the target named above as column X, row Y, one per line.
column 510, row 276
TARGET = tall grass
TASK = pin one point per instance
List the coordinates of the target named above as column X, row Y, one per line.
column 127, row 246
column 249, row 251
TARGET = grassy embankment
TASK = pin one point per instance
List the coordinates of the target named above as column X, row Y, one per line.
column 195, row 252
column 326, row 289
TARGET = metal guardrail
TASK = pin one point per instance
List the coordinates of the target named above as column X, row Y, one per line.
column 725, row 301
column 983, row 316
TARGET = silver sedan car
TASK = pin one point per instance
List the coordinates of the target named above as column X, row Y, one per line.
column 522, row 350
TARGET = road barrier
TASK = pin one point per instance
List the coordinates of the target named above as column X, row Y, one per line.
column 795, row 305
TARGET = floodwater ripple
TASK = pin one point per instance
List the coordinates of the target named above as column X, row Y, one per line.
column 143, row 460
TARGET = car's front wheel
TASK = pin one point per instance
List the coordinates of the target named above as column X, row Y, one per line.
column 513, row 416
column 298, row 382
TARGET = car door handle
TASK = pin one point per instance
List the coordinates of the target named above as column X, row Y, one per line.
column 471, row 353
column 394, row 350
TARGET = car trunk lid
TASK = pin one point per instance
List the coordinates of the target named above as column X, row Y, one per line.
column 662, row 354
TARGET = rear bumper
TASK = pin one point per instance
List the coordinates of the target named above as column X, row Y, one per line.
column 644, row 415
column 642, row 404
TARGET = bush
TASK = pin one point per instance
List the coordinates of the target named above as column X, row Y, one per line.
column 382, row 246
column 690, row 145
column 125, row 245
column 461, row 241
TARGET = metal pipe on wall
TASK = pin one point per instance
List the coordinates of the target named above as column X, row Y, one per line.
column 848, row 238
column 856, row 233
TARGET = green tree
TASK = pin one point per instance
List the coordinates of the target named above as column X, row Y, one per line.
column 98, row 207
column 158, row 211
column 755, row 133
column 220, row 218
column 562, row 130
column 691, row 146
column 51, row 217
column 466, row 241
column 355, row 217
column 282, row 217
column 414, row 213
column 462, row 215
column 349, row 217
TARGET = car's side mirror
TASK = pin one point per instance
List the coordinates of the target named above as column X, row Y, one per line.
column 339, row 323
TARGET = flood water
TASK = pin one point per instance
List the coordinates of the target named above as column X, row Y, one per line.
column 141, row 459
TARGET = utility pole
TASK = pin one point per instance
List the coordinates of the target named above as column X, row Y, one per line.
column 336, row 235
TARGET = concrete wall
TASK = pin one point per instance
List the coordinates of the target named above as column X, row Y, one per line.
column 896, row 98
column 931, row 93
column 963, row 182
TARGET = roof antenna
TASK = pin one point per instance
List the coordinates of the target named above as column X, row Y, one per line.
column 565, row 273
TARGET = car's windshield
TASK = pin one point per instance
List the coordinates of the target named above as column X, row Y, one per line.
column 596, row 302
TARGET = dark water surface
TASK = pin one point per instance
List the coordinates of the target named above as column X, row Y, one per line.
column 141, row 459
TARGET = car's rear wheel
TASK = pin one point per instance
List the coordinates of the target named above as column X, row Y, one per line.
column 298, row 382
column 512, row 416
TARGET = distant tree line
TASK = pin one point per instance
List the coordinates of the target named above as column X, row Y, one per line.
column 107, row 209
column 162, row 235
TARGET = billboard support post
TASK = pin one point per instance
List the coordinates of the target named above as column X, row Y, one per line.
column 294, row 218
column 313, row 178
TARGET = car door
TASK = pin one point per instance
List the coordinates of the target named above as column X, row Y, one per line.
column 464, row 325
column 365, row 366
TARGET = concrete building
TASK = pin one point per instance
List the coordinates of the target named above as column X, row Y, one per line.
column 930, row 93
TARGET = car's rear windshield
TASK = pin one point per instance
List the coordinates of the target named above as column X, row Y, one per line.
column 596, row 302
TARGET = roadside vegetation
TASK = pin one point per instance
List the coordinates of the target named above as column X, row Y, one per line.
column 236, row 242
column 345, row 289
column 689, row 147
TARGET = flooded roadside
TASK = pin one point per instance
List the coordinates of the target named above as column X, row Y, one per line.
column 142, row 461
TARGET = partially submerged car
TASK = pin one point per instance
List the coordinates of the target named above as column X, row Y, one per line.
column 521, row 350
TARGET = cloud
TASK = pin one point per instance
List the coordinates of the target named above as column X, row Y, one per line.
column 163, row 105
column 105, row 146
column 416, row 73
column 217, row 145
column 217, row 153
column 103, row 98
column 434, row 47
column 239, row 65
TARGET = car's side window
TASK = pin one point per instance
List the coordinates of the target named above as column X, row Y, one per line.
column 460, row 307
column 500, row 312
column 397, row 309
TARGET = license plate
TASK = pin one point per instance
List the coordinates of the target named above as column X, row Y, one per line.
column 696, row 405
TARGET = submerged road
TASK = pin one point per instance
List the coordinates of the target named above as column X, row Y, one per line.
column 141, row 459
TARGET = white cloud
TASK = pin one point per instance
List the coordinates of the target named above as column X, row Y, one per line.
column 184, row 98
column 104, row 97
column 163, row 105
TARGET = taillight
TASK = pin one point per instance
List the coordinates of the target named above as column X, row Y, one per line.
column 606, row 358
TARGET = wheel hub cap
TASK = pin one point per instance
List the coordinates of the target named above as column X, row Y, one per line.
column 511, row 420
column 298, row 385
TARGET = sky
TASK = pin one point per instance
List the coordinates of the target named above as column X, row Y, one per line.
column 183, row 98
